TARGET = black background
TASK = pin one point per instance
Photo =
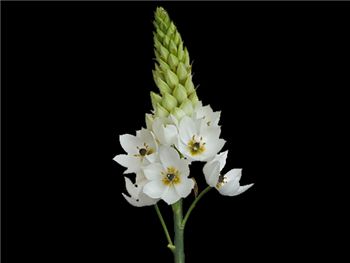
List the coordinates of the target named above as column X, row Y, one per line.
column 77, row 75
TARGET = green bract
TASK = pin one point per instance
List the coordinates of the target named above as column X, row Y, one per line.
column 172, row 73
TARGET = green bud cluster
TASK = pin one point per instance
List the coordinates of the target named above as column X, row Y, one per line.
column 172, row 73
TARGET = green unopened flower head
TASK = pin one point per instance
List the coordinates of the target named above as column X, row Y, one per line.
column 172, row 73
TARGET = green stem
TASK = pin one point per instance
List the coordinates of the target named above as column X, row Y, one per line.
column 161, row 219
column 179, row 254
column 206, row 190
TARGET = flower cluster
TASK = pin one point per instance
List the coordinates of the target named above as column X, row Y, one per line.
column 160, row 157
column 179, row 131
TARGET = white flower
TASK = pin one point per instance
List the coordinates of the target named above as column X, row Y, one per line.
column 165, row 132
column 198, row 142
column 141, row 150
column 227, row 184
column 168, row 178
column 206, row 113
column 137, row 197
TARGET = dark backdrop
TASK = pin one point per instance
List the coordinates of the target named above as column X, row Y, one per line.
column 77, row 75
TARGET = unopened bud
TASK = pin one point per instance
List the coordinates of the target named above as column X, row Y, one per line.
column 180, row 93
column 169, row 102
column 161, row 112
column 171, row 79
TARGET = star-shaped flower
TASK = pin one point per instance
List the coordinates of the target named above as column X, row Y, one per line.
column 199, row 142
column 169, row 177
column 141, row 150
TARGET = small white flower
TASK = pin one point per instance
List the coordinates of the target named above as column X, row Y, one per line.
column 137, row 197
column 227, row 184
column 165, row 132
column 199, row 142
column 141, row 150
column 206, row 113
column 168, row 178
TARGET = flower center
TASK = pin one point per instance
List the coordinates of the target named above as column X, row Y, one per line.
column 142, row 151
column 221, row 181
column 145, row 150
column 171, row 176
column 196, row 145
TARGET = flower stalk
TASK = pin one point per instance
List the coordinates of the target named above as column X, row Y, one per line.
column 179, row 253
column 193, row 205
column 161, row 219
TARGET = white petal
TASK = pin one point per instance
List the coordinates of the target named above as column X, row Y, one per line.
column 221, row 157
column 131, row 162
column 165, row 133
column 154, row 189
column 141, row 179
column 187, row 129
column 243, row 188
column 144, row 200
column 182, row 166
column 234, row 174
column 215, row 118
column 131, row 200
column 184, row 187
column 170, row 134
column 151, row 158
column 211, row 172
column 233, row 188
column 129, row 143
column 153, row 171
column 147, row 137
column 229, row 188
column 212, row 148
column 131, row 188
column 168, row 156
column 157, row 128
column 170, row 196
column 173, row 120
column 211, row 133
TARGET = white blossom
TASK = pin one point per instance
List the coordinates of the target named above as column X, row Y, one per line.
column 141, row 150
column 168, row 177
column 198, row 142
column 227, row 184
